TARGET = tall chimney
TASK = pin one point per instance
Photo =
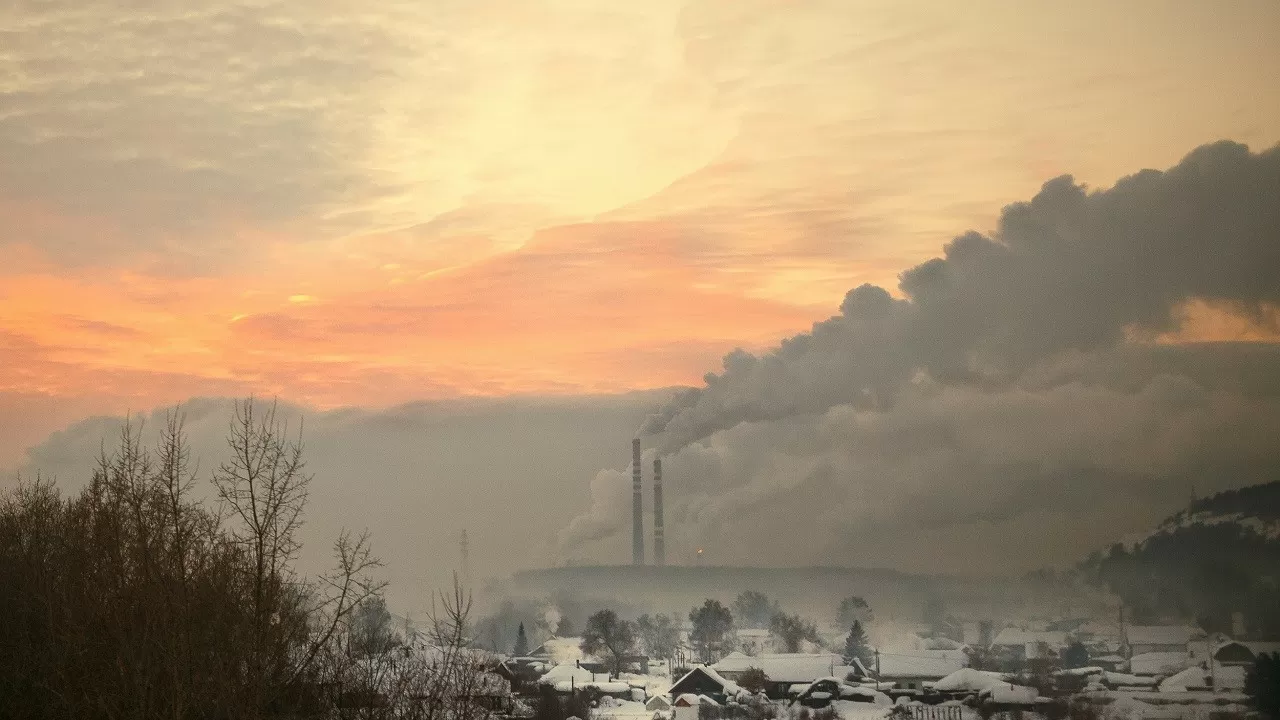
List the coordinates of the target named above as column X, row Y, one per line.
column 659, row 539
column 637, row 513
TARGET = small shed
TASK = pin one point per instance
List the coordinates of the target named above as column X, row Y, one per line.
column 1234, row 653
column 658, row 702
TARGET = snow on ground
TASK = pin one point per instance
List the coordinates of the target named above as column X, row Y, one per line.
column 621, row 710
column 1142, row 705
column 860, row 710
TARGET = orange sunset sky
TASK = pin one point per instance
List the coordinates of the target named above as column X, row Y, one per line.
column 354, row 203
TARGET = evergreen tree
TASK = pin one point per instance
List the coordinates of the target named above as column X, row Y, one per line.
column 855, row 645
column 1262, row 685
column 1075, row 655
column 522, row 643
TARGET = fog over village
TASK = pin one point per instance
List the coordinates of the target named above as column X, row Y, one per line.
column 685, row 360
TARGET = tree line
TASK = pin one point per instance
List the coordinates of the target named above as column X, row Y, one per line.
column 712, row 630
column 135, row 597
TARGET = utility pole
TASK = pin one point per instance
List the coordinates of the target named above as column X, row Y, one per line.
column 1124, row 637
column 877, row 667
column 465, row 548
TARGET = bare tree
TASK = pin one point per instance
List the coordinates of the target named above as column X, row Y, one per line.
column 605, row 631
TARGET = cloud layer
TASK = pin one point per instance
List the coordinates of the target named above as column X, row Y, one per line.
column 456, row 197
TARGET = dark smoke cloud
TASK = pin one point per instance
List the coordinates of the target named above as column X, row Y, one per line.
column 1006, row 385
column 1069, row 270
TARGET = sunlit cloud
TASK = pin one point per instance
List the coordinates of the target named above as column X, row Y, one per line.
column 349, row 203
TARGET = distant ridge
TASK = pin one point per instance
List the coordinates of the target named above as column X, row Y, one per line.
column 1256, row 507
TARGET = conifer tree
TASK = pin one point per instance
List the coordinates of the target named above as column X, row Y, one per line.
column 855, row 645
column 522, row 643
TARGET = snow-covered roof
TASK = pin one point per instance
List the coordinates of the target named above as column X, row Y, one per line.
column 968, row 679
column 783, row 667
column 1012, row 636
column 943, row 643
column 729, row 686
column 1161, row 634
column 1007, row 694
column 566, row 672
column 1115, row 679
column 658, row 702
column 1193, row 678
column 603, row 686
column 923, row 665
column 1158, row 663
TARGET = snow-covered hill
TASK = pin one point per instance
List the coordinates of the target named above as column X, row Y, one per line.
column 1256, row 507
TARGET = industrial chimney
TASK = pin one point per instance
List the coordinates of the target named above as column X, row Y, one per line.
column 659, row 539
column 637, row 512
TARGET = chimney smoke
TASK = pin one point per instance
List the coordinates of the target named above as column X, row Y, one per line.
column 659, row 538
column 637, row 512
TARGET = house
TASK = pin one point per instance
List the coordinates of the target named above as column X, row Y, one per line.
column 824, row 691
column 704, row 681
column 658, row 703
column 521, row 673
column 1232, row 653
column 686, row 706
column 1143, row 639
column 1159, row 663
column 786, row 669
column 568, row 678
column 1019, row 645
column 910, row 671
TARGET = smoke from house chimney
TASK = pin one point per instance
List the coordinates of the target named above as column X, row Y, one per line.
column 659, row 539
column 637, row 513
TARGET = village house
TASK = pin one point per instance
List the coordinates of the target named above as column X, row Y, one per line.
column 688, row 706
column 1143, row 639
column 703, row 681
column 911, row 671
column 658, row 703
column 1018, row 645
column 784, row 670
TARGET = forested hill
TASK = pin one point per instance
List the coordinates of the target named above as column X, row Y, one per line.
column 1257, row 506
column 1218, row 556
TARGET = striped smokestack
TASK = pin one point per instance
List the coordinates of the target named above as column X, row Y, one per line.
column 659, row 539
column 637, row 512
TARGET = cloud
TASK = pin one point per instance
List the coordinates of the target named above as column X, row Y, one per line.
column 1006, row 382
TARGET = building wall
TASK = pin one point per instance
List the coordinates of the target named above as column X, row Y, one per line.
column 1140, row 648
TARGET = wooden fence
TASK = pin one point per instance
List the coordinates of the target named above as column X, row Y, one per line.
column 935, row 712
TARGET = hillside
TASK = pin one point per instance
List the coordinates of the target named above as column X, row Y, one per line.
column 1256, row 507
column 1217, row 557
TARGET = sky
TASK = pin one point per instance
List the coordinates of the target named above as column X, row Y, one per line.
column 355, row 205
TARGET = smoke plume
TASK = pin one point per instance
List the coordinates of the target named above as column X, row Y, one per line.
column 1030, row 380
